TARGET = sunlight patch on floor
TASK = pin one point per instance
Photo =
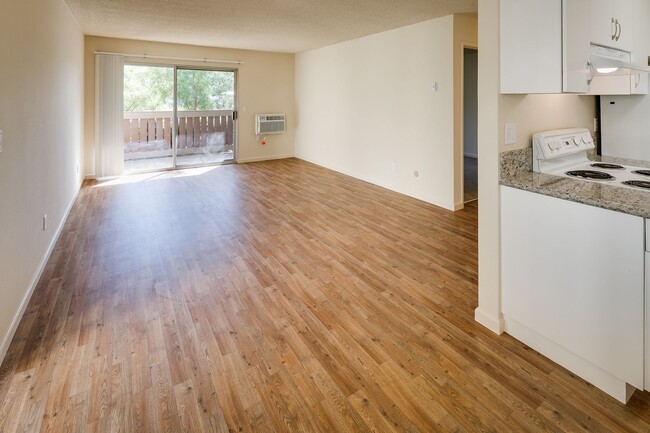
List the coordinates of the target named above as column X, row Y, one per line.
column 145, row 177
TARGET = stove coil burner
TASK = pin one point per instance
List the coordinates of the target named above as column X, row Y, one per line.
column 642, row 172
column 637, row 183
column 607, row 166
column 590, row 174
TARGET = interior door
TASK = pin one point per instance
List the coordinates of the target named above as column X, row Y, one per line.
column 205, row 116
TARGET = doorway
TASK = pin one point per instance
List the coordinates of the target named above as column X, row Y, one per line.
column 470, row 124
column 177, row 117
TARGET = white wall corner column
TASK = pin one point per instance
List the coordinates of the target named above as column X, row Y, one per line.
column 488, row 312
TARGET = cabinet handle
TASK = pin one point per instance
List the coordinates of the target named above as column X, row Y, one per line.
column 613, row 29
column 637, row 80
column 619, row 29
column 591, row 73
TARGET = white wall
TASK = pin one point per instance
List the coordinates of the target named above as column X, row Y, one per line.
column 366, row 108
column 41, row 83
column 265, row 84
column 534, row 113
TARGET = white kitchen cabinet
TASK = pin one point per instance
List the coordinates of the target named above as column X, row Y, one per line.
column 573, row 286
column 546, row 45
column 531, row 60
column 577, row 71
column 612, row 23
column 647, row 305
column 639, row 84
column 534, row 61
column 635, row 84
column 641, row 45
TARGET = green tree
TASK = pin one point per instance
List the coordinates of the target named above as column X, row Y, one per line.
column 205, row 90
column 148, row 88
column 151, row 88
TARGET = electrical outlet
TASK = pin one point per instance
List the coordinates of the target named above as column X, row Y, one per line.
column 44, row 222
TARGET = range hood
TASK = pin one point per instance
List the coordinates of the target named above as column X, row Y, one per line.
column 608, row 61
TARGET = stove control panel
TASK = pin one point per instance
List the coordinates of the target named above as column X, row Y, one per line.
column 555, row 144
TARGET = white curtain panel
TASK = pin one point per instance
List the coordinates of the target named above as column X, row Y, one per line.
column 109, row 115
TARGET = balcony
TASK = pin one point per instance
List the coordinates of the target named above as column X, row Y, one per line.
column 204, row 137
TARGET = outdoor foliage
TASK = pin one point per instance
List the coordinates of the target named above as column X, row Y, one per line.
column 151, row 88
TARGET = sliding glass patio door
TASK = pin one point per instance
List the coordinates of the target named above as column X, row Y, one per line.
column 205, row 104
column 148, row 118
column 177, row 117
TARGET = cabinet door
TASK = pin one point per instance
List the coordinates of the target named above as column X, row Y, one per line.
column 610, row 85
column 531, row 61
column 624, row 14
column 639, row 84
column 577, row 72
column 612, row 23
column 641, row 47
column 574, row 274
column 603, row 24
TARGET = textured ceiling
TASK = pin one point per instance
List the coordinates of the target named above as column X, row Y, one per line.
column 268, row 25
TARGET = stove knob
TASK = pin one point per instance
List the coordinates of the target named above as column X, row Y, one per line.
column 576, row 141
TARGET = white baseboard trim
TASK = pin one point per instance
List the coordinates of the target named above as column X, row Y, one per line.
column 494, row 324
column 264, row 158
column 459, row 206
column 8, row 337
column 593, row 374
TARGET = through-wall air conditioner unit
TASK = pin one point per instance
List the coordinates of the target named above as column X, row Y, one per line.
column 269, row 123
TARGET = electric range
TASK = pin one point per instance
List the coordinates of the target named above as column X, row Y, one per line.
column 564, row 153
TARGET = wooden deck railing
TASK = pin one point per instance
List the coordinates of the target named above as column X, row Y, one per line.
column 149, row 131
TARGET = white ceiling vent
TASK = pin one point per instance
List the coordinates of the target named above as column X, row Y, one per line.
column 269, row 123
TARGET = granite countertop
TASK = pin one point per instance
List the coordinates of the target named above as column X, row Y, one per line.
column 516, row 172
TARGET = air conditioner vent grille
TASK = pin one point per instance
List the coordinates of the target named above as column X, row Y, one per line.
column 270, row 123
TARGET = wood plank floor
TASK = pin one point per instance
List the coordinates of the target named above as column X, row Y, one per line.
column 276, row 297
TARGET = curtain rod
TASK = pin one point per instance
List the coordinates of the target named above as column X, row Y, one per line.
column 187, row 59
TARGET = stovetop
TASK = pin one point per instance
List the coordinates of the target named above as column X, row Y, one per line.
column 615, row 174
column 564, row 153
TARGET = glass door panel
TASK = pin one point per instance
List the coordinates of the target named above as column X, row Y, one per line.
column 148, row 114
column 205, row 107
